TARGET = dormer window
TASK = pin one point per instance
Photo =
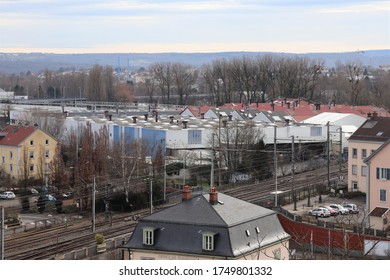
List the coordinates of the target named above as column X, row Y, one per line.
column 148, row 236
column 208, row 241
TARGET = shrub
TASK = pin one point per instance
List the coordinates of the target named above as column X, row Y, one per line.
column 99, row 238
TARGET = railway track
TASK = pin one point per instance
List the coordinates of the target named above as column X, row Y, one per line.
column 62, row 238
column 258, row 191
column 59, row 239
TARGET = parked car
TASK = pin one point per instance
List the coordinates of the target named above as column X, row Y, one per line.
column 319, row 212
column 352, row 208
column 67, row 195
column 342, row 210
column 7, row 195
column 34, row 191
column 333, row 212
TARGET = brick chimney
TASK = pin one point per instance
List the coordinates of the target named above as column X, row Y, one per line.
column 213, row 196
column 374, row 114
column 186, row 193
column 202, row 116
column 369, row 115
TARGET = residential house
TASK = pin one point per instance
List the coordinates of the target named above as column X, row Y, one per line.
column 378, row 186
column 210, row 226
column 26, row 151
column 363, row 142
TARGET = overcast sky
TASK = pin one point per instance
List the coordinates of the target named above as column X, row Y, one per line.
column 90, row 26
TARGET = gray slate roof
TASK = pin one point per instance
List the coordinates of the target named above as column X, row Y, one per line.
column 180, row 227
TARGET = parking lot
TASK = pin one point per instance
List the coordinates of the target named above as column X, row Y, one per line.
column 303, row 208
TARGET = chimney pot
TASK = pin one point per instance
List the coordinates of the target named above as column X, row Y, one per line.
column 134, row 119
column 110, row 117
column 186, row 193
column 224, row 122
column 146, row 117
column 213, row 196
column 202, row 115
column 230, row 117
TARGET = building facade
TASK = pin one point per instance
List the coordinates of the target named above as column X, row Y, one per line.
column 26, row 152
column 378, row 186
column 370, row 136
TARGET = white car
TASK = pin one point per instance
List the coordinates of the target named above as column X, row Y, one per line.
column 319, row 212
column 342, row 210
column 7, row 195
column 353, row 209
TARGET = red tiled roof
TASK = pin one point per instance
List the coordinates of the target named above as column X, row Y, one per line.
column 196, row 109
column 15, row 134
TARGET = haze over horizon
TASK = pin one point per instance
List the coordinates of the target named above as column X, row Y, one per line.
column 173, row 26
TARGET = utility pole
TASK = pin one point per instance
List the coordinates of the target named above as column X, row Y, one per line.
column 276, row 169
column 293, row 172
column 212, row 161
column 93, row 205
column 328, row 152
column 219, row 153
column 2, row 233
column 151, row 196
column 165, row 176
column 341, row 149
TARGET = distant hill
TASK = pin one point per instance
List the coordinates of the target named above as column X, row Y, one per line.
column 36, row 62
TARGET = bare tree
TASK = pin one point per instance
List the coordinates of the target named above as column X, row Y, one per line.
column 184, row 78
column 163, row 74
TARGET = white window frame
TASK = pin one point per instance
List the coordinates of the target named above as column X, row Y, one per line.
column 354, row 153
column 354, row 169
column 148, row 236
column 383, row 173
column 208, row 241
column 355, row 183
column 364, row 153
column 382, row 196
column 364, row 170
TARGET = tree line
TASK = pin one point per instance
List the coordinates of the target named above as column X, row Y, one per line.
column 237, row 80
